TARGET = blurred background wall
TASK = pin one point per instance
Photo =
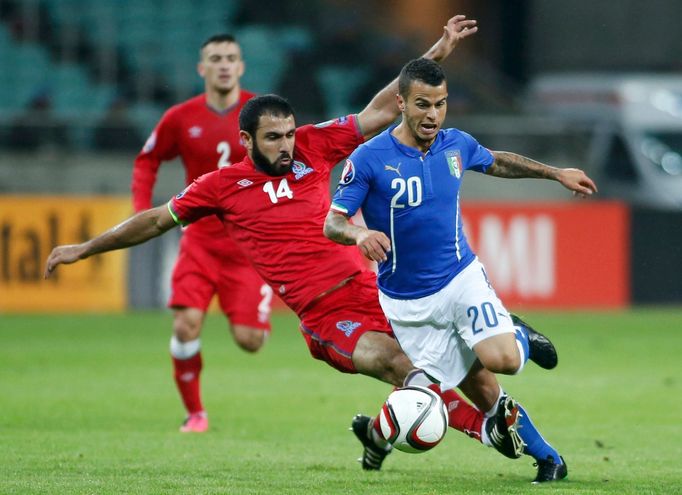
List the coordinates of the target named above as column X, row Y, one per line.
column 589, row 83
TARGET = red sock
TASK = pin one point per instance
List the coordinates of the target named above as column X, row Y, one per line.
column 376, row 426
column 186, row 375
column 461, row 415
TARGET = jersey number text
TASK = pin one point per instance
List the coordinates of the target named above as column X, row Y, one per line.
column 283, row 190
column 224, row 150
column 413, row 187
column 489, row 316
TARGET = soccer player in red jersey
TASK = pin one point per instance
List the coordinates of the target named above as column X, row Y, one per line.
column 204, row 132
column 277, row 199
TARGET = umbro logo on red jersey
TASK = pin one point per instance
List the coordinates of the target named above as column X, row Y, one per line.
column 244, row 183
column 195, row 131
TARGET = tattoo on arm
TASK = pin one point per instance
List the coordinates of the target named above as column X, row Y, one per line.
column 512, row 166
column 337, row 228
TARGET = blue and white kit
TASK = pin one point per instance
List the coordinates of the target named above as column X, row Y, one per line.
column 432, row 287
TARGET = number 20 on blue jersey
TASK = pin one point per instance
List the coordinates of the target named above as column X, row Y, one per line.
column 410, row 189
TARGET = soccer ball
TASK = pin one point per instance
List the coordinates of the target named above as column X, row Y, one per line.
column 414, row 419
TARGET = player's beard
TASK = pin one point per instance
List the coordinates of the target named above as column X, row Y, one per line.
column 266, row 166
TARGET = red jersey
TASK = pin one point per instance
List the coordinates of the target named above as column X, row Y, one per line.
column 278, row 221
column 204, row 138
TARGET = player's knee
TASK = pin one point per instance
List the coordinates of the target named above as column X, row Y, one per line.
column 186, row 330
column 396, row 365
column 499, row 354
column 380, row 356
column 504, row 361
column 248, row 339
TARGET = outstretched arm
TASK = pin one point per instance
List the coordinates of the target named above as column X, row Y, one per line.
column 135, row 230
column 512, row 166
column 372, row 243
column 383, row 109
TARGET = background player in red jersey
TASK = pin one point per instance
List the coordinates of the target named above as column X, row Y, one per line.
column 277, row 200
column 204, row 132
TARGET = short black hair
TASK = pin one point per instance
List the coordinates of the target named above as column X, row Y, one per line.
column 420, row 69
column 219, row 38
column 256, row 107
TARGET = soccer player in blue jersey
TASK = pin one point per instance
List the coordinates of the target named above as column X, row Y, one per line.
column 432, row 287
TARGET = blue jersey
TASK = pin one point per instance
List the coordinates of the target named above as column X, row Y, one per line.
column 414, row 199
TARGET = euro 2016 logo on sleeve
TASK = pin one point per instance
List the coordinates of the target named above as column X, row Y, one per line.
column 348, row 173
column 347, row 326
column 454, row 162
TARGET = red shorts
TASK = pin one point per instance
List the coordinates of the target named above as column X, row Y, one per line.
column 205, row 268
column 333, row 325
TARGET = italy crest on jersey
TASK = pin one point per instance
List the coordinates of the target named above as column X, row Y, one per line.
column 454, row 162
column 348, row 173
column 300, row 169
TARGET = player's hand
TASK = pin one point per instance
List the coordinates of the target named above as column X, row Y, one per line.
column 456, row 29
column 577, row 181
column 374, row 245
column 63, row 255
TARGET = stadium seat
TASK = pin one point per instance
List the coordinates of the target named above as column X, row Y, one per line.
column 338, row 84
column 264, row 55
column 146, row 115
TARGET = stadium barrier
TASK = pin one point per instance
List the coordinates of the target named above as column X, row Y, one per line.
column 30, row 226
column 553, row 255
column 549, row 255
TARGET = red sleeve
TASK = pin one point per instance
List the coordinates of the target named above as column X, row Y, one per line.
column 335, row 139
column 200, row 199
column 160, row 146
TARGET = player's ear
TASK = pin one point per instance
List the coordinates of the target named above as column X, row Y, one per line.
column 246, row 140
column 201, row 70
column 401, row 102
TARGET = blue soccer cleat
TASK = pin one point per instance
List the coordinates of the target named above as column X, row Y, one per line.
column 548, row 470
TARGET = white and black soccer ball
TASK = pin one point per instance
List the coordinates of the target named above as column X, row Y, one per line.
column 414, row 419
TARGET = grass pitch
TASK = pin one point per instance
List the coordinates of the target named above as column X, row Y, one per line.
column 88, row 406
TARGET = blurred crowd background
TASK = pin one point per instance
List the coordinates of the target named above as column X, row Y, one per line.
column 83, row 82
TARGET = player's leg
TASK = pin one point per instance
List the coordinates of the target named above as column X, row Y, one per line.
column 487, row 328
column 348, row 331
column 501, row 345
column 246, row 301
column 244, row 298
column 248, row 338
column 379, row 355
column 494, row 428
column 192, row 289
column 508, row 427
column 185, row 349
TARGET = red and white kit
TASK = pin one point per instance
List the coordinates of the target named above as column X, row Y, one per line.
column 278, row 221
column 209, row 261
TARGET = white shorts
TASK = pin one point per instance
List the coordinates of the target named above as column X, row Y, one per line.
column 438, row 332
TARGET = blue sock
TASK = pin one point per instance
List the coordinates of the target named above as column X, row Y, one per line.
column 522, row 342
column 536, row 446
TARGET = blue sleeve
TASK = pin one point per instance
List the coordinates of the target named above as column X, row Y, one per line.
column 479, row 158
column 353, row 185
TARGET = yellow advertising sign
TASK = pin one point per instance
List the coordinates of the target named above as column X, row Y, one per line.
column 30, row 226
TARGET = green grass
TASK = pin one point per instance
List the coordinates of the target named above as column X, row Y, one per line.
column 87, row 405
